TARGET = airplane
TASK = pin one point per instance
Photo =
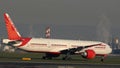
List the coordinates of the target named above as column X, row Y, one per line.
column 54, row 47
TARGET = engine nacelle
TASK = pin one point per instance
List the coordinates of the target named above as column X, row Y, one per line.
column 88, row 54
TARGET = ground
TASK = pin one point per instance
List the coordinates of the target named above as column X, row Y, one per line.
column 36, row 57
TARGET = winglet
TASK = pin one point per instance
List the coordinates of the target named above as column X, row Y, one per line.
column 13, row 34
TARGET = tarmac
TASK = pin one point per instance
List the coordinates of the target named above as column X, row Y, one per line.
column 25, row 64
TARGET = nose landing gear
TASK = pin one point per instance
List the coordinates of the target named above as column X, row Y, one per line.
column 103, row 58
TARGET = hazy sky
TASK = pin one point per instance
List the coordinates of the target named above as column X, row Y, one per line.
column 62, row 12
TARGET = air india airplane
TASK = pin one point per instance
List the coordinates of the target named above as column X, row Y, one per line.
column 54, row 47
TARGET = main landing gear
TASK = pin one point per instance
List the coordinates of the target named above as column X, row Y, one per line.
column 47, row 56
column 50, row 56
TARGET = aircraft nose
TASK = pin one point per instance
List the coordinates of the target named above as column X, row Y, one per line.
column 109, row 49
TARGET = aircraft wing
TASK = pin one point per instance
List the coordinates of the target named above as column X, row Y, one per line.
column 73, row 50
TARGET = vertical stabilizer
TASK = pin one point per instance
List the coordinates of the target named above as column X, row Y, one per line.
column 13, row 34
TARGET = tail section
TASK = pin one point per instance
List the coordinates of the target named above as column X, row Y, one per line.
column 13, row 34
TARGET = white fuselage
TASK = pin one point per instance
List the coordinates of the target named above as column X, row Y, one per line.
column 57, row 45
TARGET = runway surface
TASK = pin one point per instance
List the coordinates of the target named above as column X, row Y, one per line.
column 26, row 64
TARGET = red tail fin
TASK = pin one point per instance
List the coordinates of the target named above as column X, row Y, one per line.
column 13, row 34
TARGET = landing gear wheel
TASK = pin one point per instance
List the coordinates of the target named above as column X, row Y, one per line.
column 102, row 60
column 44, row 57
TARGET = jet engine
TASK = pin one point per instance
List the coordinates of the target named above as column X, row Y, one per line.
column 88, row 54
